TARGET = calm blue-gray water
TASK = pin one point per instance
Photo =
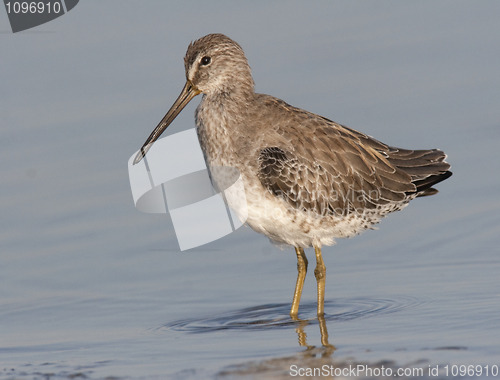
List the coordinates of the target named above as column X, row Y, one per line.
column 92, row 288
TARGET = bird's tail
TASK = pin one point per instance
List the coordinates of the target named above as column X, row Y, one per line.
column 425, row 167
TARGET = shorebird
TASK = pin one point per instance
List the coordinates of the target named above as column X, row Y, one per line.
column 307, row 179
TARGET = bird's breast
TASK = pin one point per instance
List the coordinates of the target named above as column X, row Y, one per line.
column 217, row 134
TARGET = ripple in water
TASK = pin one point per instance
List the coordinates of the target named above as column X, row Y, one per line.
column 276, row 315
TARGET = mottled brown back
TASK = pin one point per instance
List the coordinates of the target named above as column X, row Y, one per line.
column 334, row 170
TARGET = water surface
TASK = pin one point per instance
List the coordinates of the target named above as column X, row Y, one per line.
column 91, row 288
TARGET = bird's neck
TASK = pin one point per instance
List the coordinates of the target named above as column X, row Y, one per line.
column 219, row 118
column 233, row 91
column 227, row 104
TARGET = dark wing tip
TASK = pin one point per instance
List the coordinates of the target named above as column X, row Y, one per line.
column 425, row 184
column 427, row 192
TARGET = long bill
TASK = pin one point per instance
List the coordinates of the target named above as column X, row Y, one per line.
column 188, row 93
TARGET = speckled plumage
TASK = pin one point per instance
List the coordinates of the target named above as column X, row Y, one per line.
column 307, row 179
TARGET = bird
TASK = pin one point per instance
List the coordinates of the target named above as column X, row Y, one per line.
column 308, row 180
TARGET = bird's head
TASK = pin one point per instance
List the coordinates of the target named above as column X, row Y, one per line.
column 215, row 64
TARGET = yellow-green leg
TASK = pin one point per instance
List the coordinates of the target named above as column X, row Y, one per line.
column 302, row 269
column 320, row 274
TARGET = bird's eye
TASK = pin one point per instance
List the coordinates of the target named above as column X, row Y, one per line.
column 205, row 61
